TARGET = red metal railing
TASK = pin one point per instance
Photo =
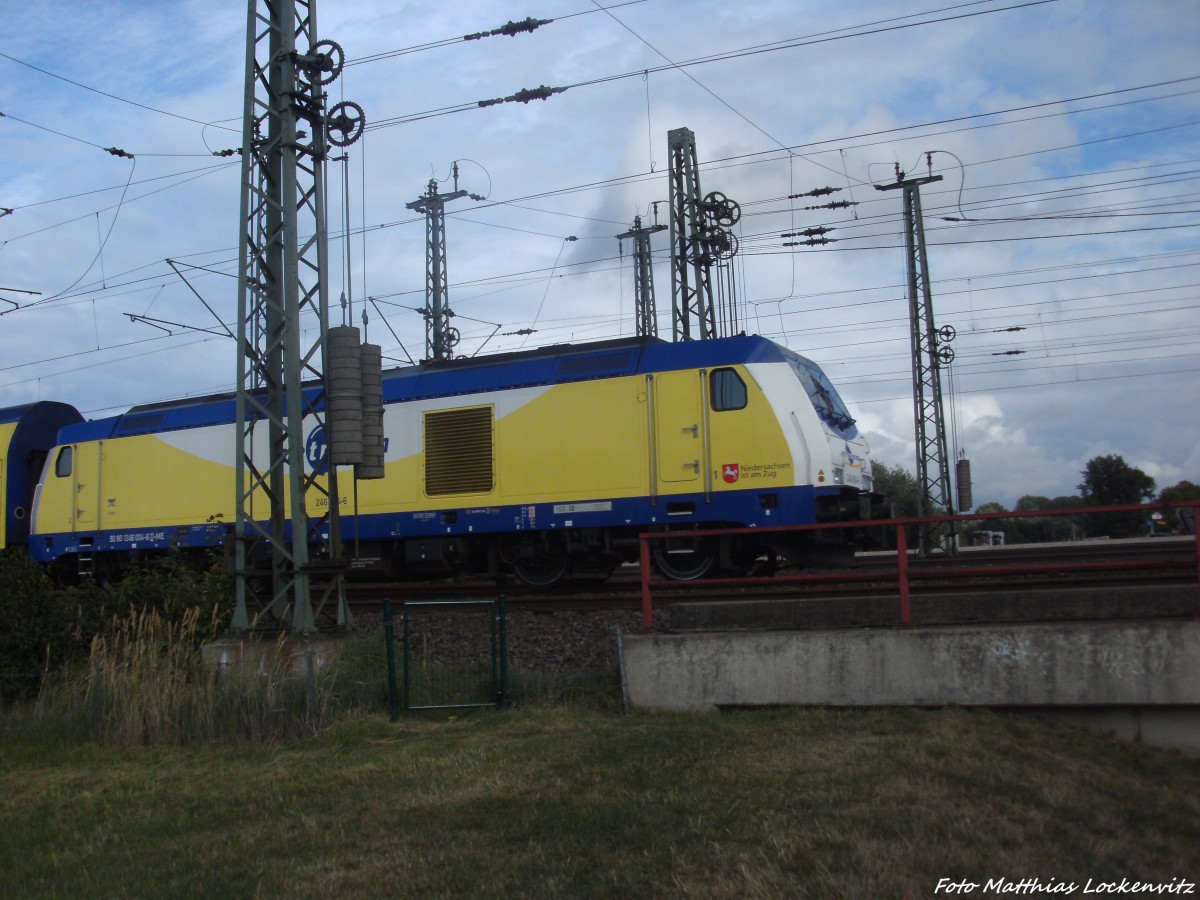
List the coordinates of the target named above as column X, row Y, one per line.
column 908, row 567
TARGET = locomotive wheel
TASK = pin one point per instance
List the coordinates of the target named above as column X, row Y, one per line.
column 542, row 564
column 683, row 559
column 543, row 571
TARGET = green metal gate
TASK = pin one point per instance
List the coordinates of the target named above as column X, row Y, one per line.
column 455, row 654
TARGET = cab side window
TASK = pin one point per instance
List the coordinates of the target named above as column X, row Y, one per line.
column 726, row 390
column 62, row 465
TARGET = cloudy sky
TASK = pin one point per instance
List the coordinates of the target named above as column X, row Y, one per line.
column 1063, row 236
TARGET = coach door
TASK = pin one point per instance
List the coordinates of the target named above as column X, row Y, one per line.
column 679, row 427
column 5, row 503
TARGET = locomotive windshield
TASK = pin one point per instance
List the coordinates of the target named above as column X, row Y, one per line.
column 825, row 399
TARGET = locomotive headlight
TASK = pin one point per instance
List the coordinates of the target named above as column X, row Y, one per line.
column 839, row 475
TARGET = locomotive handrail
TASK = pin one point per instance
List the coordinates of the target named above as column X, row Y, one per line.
column 902, row 573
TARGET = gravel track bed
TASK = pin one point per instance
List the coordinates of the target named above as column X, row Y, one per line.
column 561, row 640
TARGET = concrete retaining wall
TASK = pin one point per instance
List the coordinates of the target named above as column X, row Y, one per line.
column 250, row 655
column 1065, row 603
column 1078, row 664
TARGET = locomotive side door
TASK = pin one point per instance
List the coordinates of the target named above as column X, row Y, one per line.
column 88, row 457
column 679, row 427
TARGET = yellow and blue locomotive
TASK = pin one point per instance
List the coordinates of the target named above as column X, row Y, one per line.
column 544, row 464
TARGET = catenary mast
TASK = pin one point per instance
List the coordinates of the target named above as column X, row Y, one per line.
column 282, row 280
column 700, row 240
column 440, row 336
column 930, row 350
column 645, row 307
column 692, row 315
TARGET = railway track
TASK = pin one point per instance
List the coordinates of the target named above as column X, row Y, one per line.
column 570, row 632
column 1137, row 563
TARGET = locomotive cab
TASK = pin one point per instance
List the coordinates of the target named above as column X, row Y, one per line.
column 838, row 461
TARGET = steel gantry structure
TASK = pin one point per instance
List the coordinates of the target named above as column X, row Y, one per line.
column 930, row 350
column 700, row 239
column 645, row 307
column 440, row 336
column 282, row 280
column 692, row 315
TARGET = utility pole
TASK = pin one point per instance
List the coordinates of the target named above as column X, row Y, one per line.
column 440, row 337
column 930, row 350
column 282, row 279
column 645, row 310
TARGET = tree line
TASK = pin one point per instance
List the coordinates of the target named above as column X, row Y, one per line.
column 1105, row 481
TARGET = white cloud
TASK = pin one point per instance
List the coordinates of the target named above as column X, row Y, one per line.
column 1109, row 346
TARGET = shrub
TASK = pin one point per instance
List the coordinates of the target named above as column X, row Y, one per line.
column 45, row 629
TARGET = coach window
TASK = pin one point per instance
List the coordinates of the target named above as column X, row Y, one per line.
column 62, row 465
column 728, row 391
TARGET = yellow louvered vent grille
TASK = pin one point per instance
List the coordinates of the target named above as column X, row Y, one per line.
column 458, row 451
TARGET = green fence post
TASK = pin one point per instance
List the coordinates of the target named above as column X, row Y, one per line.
column 404, row 633
column 389, row 636
column 503, row 653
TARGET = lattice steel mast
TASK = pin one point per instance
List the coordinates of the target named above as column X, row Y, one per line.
column 692, row 316
column 645, row 308
column 930, row 350
column 700, row 239
column 282, row 259
column 440, row 336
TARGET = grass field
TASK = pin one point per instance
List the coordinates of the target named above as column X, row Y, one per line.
column 574, row 801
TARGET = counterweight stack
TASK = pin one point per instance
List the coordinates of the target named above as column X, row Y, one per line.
column 355, row 392
column 344, row 386
column 371, row 467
